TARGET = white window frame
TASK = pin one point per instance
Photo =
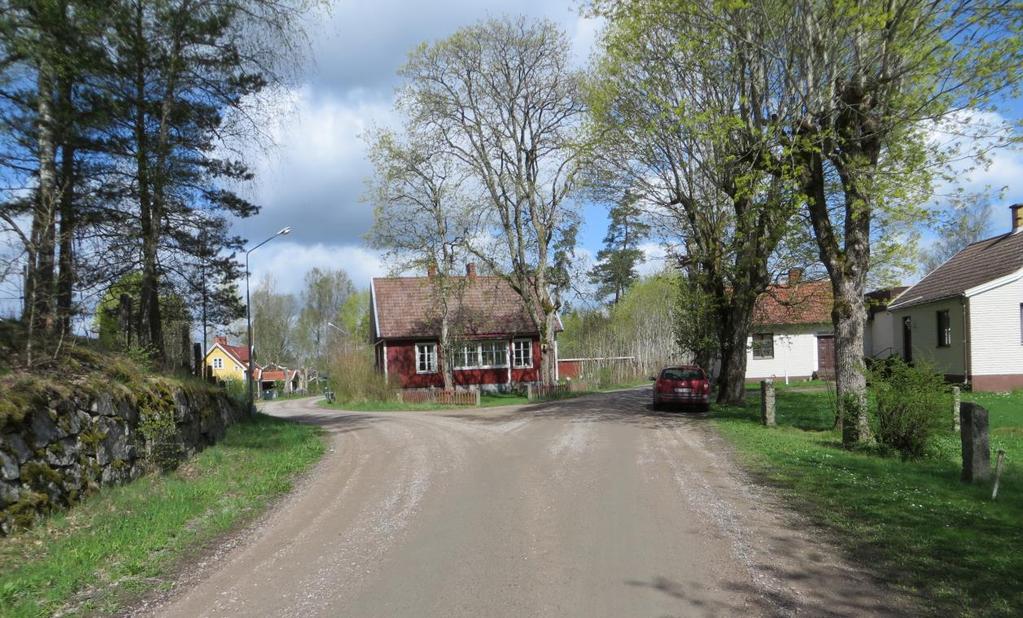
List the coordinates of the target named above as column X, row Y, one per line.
column 218, row 363
column 528, row 364
column 477, row 346
column 426, row 350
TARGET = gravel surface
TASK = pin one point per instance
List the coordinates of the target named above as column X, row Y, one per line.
column 595, row 506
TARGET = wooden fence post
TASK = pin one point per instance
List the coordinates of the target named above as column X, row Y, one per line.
column 767, row 402
column 956, row 400
column 976, row 449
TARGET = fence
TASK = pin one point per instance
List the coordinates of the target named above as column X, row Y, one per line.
column 448, row 398
column 546, row 392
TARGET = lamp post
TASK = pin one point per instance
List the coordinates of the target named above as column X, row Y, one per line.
column 248, row 314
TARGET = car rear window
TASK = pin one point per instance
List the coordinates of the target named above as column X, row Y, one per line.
column 676, row 373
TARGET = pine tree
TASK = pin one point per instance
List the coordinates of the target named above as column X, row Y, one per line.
column 617, row 261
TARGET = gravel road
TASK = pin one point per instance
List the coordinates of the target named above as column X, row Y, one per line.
column 596, row 506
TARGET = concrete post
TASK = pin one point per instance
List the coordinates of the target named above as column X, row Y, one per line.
column 767, row 402
column 976, row 450
column 956, row 400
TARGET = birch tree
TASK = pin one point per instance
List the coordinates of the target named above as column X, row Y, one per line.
column 503, row 101
column 421, row 221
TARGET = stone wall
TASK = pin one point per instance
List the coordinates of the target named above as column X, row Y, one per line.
column 66, row 444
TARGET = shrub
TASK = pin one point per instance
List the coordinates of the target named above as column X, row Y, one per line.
column 912, row 405
column 355, row 379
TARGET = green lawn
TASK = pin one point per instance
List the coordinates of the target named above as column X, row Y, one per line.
column 915, row 522
column 119, row 543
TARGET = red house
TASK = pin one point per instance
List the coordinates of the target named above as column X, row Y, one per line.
column 497, row 343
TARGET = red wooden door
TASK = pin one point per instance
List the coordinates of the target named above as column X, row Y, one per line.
column 826, row 356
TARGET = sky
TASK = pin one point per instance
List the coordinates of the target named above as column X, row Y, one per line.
column 314, row 179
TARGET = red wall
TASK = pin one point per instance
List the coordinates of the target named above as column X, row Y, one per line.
column 401, row 367
column 569, row 369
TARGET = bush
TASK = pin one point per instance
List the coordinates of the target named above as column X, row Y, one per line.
column 912, row 405
column 355, row 379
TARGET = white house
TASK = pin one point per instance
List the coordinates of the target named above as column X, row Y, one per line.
column 792, row 337
column 966, row 316
column 879, row 333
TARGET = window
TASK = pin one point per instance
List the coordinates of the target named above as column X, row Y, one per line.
column 426, row 358
column 679, row 373
column 522, row 353
column 494, row 353
column 218, row 363
column 763, row 345
column 944, row 329
column 481, row 355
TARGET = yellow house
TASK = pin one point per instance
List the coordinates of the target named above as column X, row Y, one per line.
column 227, row 362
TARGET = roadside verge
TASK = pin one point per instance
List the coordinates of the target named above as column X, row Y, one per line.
column 120, row 543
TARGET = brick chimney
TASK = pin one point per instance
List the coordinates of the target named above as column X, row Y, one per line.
column 221, row 339
column 431, row 271
column 1017, row 217
column 795, row 274
column 470, row 270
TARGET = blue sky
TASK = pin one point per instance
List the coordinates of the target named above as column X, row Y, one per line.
column 314, row 179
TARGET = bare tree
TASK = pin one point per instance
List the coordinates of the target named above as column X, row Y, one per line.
column 421, row 221
column 500, row 97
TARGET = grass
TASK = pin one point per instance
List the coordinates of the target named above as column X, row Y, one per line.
column 913, row 521
column 116, row 545
column 486, row 401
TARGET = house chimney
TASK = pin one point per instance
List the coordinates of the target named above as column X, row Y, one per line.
column 795, row 274
column 1017, row 217
column 470, row 270
column 431, row 271
column 220, row 339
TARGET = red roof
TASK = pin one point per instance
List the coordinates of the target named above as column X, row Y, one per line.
column 807, row 302
column 240, row 352
column 409, row 308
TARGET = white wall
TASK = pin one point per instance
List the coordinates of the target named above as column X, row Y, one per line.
column 925, row 335
column 795, row 352
column 995, row 345
column 879, row 339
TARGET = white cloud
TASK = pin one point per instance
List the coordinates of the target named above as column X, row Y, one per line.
column 968, row 133
column 655, row 257
column 289, row 262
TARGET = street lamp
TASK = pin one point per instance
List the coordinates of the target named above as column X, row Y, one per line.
column 248, row 313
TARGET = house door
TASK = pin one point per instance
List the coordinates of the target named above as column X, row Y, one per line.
column 907, row 339
column 826, row 357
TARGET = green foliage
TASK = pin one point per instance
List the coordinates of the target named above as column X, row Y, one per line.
column 639, row 325
column 126, row 338
column 912, row 406
column 118, row 542
column 354, row 377
column 616, row 265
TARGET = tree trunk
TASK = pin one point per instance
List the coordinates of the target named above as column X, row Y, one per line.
column 447, row 353
column 738, row 315
column 548, row 344
column 66, row 275
column 43, row 221
column 849, row 316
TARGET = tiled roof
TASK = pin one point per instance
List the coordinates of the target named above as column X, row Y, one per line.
column 807, row 302
column 409, row 307
column 240, row 352
column 975, row 265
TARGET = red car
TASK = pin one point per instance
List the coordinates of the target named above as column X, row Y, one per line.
column 685, row 385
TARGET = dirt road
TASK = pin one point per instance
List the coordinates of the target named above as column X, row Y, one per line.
column 592, row 507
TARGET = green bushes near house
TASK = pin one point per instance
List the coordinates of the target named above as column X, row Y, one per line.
column 912, row 405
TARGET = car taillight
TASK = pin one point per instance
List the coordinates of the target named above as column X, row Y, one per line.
column 706, row 387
